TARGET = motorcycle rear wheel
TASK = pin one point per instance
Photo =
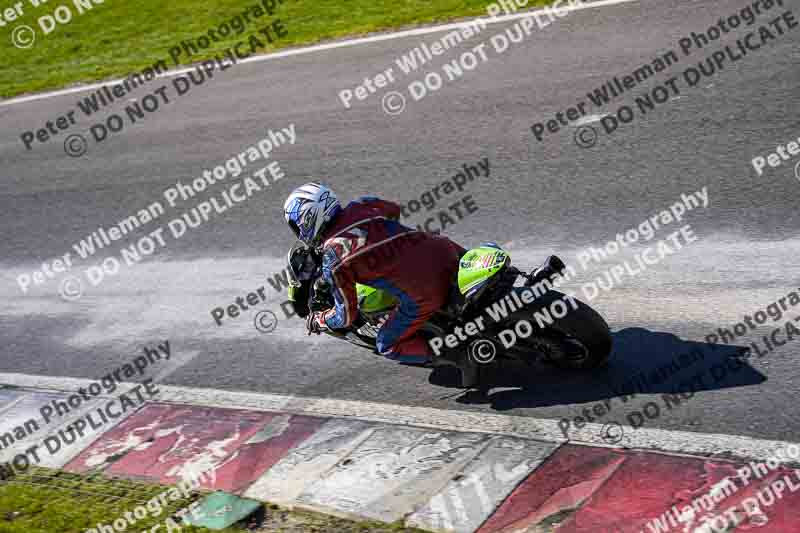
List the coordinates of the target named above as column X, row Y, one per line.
column 581, row 340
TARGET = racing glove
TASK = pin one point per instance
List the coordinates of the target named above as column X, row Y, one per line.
column 316, row 323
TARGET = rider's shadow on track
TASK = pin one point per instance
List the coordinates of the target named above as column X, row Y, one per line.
column 642, row 362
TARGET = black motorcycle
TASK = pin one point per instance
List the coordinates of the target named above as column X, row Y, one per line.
column 489, row 318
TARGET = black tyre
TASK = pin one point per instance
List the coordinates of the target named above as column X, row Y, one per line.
column 581, row 340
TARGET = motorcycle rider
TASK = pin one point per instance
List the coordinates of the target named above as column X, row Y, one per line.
column 365, row 243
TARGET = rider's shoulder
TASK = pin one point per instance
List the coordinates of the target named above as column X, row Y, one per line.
column 364, row 200
column 345, row 242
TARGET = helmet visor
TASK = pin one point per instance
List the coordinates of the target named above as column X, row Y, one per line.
column 295, row 229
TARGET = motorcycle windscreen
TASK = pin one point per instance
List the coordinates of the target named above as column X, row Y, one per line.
column 478, row 266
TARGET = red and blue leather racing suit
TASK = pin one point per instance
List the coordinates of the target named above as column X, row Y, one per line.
column 366, row 244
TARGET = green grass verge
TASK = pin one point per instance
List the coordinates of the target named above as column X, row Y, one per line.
column 50, row 501
column 118, row 37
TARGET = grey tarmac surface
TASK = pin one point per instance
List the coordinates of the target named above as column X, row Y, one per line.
column 540, row 198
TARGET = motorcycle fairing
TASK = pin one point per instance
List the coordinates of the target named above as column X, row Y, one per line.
column 478, row 266
column 372, row 300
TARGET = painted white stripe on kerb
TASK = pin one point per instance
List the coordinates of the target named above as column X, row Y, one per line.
column 50, row 435
column 451, row 420
column 472, row 497
column 395, row 470
column 308, row 462
column 329, row 46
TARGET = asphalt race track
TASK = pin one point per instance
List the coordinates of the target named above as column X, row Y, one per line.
column 540, row 197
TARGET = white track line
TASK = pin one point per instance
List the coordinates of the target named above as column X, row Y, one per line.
column 328, row 46
column 719, row 445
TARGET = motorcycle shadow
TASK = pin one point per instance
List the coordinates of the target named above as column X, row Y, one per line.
column 642, row 362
